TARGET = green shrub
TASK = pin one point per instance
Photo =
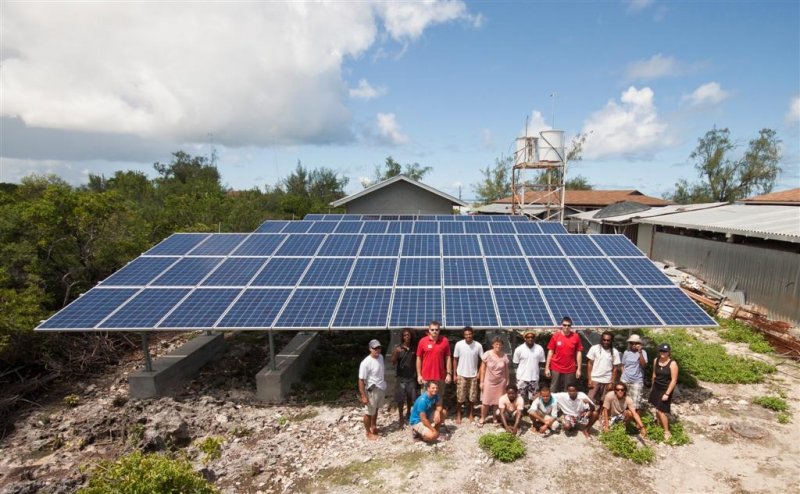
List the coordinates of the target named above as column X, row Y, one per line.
column 72, row 400
column 738, row 332
column 773, row 403
column 678, row 434
column 784, row 418
column 211, row 448
column 503, row 446
column 138, row 473
column 621, row 444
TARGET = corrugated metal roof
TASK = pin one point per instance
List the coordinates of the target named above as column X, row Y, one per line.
column 496, row 208
column 770, row 222
column 655, row 211
column 791, row 196
column 597, row 198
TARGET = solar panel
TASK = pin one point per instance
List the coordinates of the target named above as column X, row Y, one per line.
column 374, row 271
column 363, row 308
column 551, row 227
column 624, row 307
column 616, row 245
column 300, row 245
column 529, row 227
column 271, row 226
column 255, row 309
column 451, row 227
column 309, row 308
column 509, row 271
column 426, row 227
column 421, row 245
column 349, row 227
column 298, row 226
column 381, row 246
column 340, row 245
column 675, row 308
column 259, row 245
column 140, row 271
column 146, row 309
column 539, row 245
column 201, row 308
column 351, row 217
column 554, row 271
column 235, row 271
column 641, row 271
column 415, row 307
column 282, row 271
column 464, row 271
column 375, row 227
column 218, row 245
column 445, row 217
column 522, row 307
column 469, row 307
column 502, row 227
column 460, row 245
column 400, row 227
column 577, row 245
column 419, row 271
column 178, row 244
column 328, row 272
column 188, row 271
column 477, row 227
column 322, row 227
column 500, row 245
column 89, row 309
column 576, row 303
column 597, row 271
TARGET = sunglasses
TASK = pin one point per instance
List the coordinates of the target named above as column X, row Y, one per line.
column 433, row 330
column 567, row 325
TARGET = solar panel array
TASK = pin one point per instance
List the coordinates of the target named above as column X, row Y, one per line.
column 367, row 272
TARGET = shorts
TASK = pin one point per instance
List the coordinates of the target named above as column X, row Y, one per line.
column 420, row 429
column 598, row 392
column 617, row 419
column 554, row 425
column 509, row 414
column 528, row 390
column 560, row 380
column 635, row 392
column 405, row 390
column 467, row 389
column 375, row 401
column 582, row 420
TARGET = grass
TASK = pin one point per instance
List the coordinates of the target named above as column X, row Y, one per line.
column 71, row 400
column 621, row 444
column 784, row 417
column 655, row 432
column 139, row 473
column 773, row 403
column 739, row 332
column 357, row 470
column 502, row 446
column 211, row 447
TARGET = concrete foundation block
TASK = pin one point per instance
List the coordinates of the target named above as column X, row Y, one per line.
column 272, row 386
column 172, row 369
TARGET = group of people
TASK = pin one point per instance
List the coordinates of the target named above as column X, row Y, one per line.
column 615, row 383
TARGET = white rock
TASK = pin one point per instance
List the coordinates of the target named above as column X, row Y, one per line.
column 412, row 475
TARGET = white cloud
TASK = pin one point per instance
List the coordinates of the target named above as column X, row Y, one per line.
column 628, row 129
column 655, row 67
column 250, row 73
column 793, row 115
column 389, row 130
column 635, row 6
column 710, row 93
column 535, row 124
column 365, row 90
column 487, row 139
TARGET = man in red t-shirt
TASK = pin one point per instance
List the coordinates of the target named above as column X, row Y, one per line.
column 563, row 357
column 433, row 359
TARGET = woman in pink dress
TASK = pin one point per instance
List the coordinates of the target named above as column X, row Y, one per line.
column 493, row 376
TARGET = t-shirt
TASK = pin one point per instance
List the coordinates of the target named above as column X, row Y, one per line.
column 549, row 408
column 424, row 404
column 564, row 348
column 468, row 357
column 434, row 356
column 371, row 371
column 616, row 406
column 571, row 407
column 406, row 364
column 603, row 362
column 632, row 371
column 504, row 403
column 528, row 360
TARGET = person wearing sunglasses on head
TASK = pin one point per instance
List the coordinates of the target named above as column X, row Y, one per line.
column 564, row 357
column 602, row 367
column 618, row 408
column 665, row 378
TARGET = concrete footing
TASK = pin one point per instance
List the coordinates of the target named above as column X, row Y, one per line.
column 168, row 371
column 272, row 386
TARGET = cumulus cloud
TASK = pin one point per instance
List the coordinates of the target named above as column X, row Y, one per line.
column 365, row 90
column 793, row 115
column 250, row 73
column 536, row 123
column 389, row 131
column 710, row 93
column 655, row 67
column 629, row 128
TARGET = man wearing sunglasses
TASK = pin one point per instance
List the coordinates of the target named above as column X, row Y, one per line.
column 433, row 359
column 618, row 408
column 563, row 357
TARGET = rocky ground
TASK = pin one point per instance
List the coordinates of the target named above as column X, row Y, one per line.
column 737, row 446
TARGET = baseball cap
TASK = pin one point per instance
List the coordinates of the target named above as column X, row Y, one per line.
column 634, row 338
column 374, row 344
column 664, row 347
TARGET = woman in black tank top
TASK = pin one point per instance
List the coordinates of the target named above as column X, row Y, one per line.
column 665, row 378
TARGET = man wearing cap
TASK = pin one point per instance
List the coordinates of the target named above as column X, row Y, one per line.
column 634, row 361
column 527, row 358
column 467, row 357
column 371, row 387
column 602, row 367
column 564, row 357
column 433, row 359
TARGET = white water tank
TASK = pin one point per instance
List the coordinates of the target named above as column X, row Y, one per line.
column 551, row 146
column 526, row 150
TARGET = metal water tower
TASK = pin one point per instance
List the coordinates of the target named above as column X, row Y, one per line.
column 534, row 155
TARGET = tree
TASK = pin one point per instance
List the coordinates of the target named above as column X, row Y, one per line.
column 724, row 179
column 392, row 168
column 496, row 182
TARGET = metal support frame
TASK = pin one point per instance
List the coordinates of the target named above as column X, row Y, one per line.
column 272, row 364
column 148, row 364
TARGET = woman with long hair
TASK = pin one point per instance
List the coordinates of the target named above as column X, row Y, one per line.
column 493, row 376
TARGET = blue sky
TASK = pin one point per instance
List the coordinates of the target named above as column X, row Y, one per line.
column 92, row 88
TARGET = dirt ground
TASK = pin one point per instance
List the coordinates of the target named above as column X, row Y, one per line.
column 736, row 446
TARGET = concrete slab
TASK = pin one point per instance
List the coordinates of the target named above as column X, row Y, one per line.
column 272, row 386
column 172, row 369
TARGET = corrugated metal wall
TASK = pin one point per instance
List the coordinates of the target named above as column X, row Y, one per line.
column 769, row 278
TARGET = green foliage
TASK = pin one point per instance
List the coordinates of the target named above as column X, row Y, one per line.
column 774, row 403
column 739, row 332
column 502, row 446
column 135, row 434
column 784, row 417
column 138, row 473
column 621, row 444
column 678, row 434
column 496, row 183
column 71, row 400
column 392, row 168
column 211, row 447
column 579, row 182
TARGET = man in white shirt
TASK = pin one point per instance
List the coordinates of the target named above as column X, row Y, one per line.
column 602, row 368
column 466, row 361
column 544, row 412
column 528, row 357
column 578, row 411
column 372, row 387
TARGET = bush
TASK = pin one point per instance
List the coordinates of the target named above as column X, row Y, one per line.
column 503, row 446
column 621, row 444
column 211, row 448
column 679, row 437
column 137, row 474
column 738, row 332
column 773, row 403
column 784, row 418
column 72, row 400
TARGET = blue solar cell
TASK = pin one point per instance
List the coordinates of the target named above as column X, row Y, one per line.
column 460, row 245
column 502, row 227
column 675, row 308
column 89, row 309
column 346, row 226
column 145, row 309
column 477, row 227
column 373, row 271
column 201, row 309
column 282, row 271
column 481, row 217
column 598, row 271
column 575, row 303
column 380, row 246
column 298, row 226
column 271, row 226
column 389, row 217
column 445, row 217
column 552, row 227
column 177, row 245
column 371, row 217
column 623, row 307
column 419, row 271
column 451, row 227
column 235, row 271
column 426, row 227
column 527, row 227
column 469, row 307
column 341, row 245
column 464, row 271
column 351, row 217
column 407, row 217
column 220, row 244
column 363, row 308
column 641, row 271
column 309, row 308
column 415, row 307
column 188, row 271
column 553, row 271
column 328, row 272
column 256, row 308
column 316, row 217
column 577, row 245
column 300, row 245
column 518, row 217
column 400, row 227
column 616, row 245
column 421, row 245
column 499, row 217
column 509, row 271
column 539, row 245
column 426, row 217
column 462, row 217
column 322, row 227
column 259, row 245
column 140, row 271
column 375, row 227
column 500, row 245
column 521, row 307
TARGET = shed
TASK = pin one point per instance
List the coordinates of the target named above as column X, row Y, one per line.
column 399, row 195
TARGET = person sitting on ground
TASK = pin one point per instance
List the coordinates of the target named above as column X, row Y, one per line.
column 544, row 412
column 577, row 410
column 509, row 409
column 371, row 387
column 427, row 414
column 618, row 408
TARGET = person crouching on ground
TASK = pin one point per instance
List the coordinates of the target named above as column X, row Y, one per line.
column 544, row 412
column 509, row 409
column 371, row 387
column 618, row 408
column 427, row 414
column 578, row 411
